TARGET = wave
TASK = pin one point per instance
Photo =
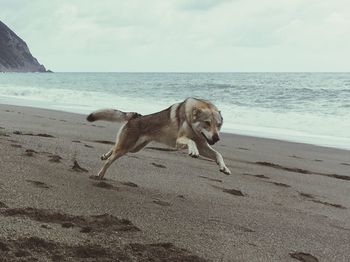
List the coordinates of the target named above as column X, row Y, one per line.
column 311, row 109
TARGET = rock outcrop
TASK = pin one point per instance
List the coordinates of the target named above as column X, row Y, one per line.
column 14, row 53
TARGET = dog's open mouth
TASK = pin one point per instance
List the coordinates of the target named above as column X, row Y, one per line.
column 210, row 142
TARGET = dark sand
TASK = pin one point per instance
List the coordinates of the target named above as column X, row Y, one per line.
column 283, row 202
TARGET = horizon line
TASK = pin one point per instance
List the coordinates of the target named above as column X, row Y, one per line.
column 185, row 72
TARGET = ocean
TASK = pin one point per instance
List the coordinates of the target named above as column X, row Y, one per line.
column 301, row 107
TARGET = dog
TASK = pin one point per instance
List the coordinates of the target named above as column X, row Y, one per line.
column 193, row 123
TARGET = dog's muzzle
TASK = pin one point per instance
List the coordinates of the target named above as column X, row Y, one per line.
column 215, row 138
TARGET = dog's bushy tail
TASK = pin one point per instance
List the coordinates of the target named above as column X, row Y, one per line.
column 112, row 115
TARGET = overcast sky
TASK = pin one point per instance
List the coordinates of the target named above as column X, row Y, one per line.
column 184, row 35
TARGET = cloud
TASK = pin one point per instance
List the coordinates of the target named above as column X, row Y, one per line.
column 201, row 5
column 184, row 35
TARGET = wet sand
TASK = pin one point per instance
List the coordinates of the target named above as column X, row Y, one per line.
column 283, row 202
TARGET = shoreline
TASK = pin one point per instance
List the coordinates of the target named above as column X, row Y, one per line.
column 297, row 109
column 282, row 198
column 252, row 134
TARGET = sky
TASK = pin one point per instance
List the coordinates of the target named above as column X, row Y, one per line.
column 184, row 35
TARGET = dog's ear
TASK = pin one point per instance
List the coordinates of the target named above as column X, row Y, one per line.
column 222, row 119
column 196, row 112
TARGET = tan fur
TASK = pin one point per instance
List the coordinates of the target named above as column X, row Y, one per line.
column 194, row 123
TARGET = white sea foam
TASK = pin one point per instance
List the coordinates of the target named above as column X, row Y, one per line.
column 314, row 121
column 304, row 127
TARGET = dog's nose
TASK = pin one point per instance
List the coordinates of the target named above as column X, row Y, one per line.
column 215, row 138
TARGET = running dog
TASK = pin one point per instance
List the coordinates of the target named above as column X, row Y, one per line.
column 194, row 123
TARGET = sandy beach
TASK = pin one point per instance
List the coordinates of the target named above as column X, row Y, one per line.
column 283, row 202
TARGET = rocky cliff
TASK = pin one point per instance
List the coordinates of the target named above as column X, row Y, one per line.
column 14, row 53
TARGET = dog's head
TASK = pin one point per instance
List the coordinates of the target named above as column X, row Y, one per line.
column 207, row 122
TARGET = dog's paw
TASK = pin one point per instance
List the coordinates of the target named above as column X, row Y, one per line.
column 194, row 155
column 193, row 152
column 104, row 157
column 100, row 176
column 225, row 170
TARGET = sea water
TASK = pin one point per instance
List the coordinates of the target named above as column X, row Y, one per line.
column 303, row 107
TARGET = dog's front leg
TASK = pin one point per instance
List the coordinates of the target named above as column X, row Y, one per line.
column 207, row 151
column 191, row 145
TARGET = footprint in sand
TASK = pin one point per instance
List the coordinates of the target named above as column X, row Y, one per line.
column 306, row 195
column 67, row 225
column 45, row 226
column 328, row 204
column 231, row 191
column 342, row 177
column 76, row 167
column 302, row 171
column 55, row 158
column 29, row 152
column 290, row 169
column 104, row 142
column 158, row 165
column 86, row 230
column 259, row 176
column 38, row 184
column 31, row 134
column 130, row 184
column 312, row 198
column 305, row 257
column 262, row 176
column 294, row 156
column 279, row 184
column 104, row 185
column 44, row 135
column 35, row 249
column 98, row 223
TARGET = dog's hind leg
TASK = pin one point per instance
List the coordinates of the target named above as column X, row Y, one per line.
column 207, row 151
column 107, row 155
column 111, row 154
column 139, row 147
column 114, row 156
column 126, row 142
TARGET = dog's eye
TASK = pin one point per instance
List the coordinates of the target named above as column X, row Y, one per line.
column 208, row 123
